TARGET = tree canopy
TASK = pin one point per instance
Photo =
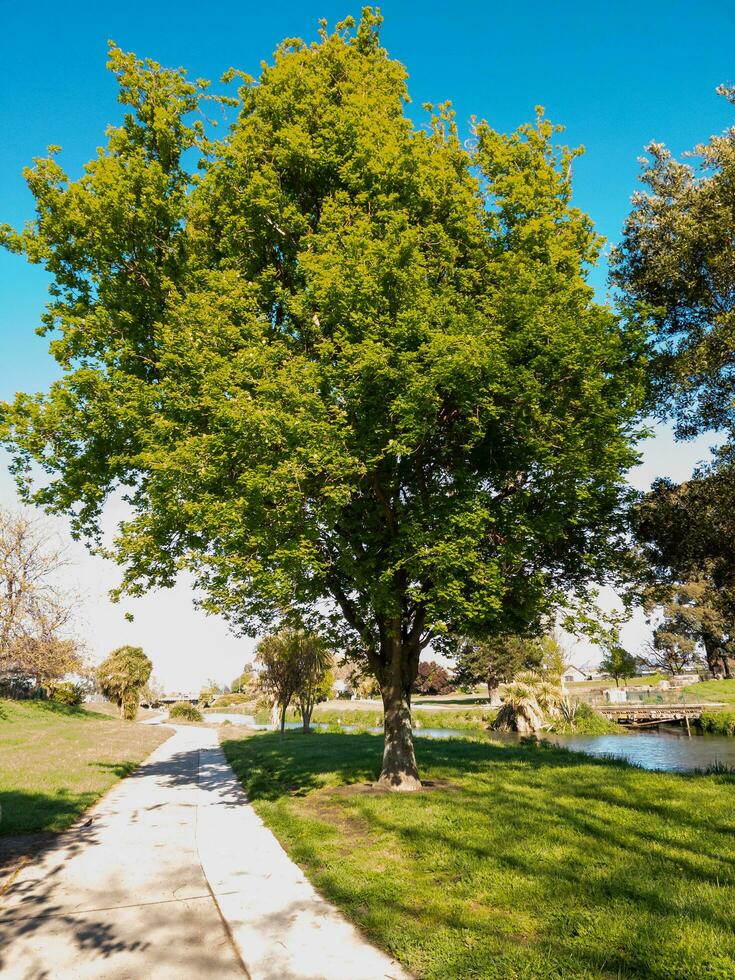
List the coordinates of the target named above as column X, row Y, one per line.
column 618, row 663
column 676, row 265
column 348, row 372
column 496, row 661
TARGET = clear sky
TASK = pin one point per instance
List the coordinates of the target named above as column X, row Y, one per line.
column 615, row 74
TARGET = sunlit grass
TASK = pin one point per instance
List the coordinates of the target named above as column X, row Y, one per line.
column 526, row 863
column 55, row 761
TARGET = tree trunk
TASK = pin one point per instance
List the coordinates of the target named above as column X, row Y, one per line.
column 284, row 708
column 399, row 771
column 306, row 712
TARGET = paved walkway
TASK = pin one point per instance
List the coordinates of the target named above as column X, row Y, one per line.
column 175, row 876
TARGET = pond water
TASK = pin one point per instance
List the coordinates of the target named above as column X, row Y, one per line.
column 669, row 749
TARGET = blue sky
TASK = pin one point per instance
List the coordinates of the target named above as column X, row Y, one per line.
column 615, row 74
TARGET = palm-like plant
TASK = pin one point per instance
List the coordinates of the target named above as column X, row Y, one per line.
column 528, row 702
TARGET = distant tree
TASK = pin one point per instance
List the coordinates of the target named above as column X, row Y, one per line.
column 317, row 678
column 295, row 666
column 699, row 612
column 618, row 663
column 432, row 678
column 495, row 662
column 152, row 691
column 339, row 360
column 674, row 647
column 122, row 676
column 209, row 692
column 686, row 534
column 244, row 680
column 37, row 608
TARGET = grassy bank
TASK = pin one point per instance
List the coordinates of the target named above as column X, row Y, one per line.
column 527, row 863
column 723, row 691
column 470, row 720
column 55, row 761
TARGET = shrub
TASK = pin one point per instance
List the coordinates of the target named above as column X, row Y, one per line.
column 718, row 722
column 585, row 721
column 185, row 712
column 65, row 692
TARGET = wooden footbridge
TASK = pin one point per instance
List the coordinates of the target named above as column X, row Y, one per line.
column 639, row 715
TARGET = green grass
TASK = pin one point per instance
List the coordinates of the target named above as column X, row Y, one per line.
column 470, row 720
column 55, row 761
column 711, row 691
column 529, row 862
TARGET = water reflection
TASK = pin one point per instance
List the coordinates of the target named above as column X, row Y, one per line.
column 664, row 750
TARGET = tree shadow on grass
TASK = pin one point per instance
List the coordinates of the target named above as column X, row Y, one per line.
column 420, row 703
column 118, row 769
column 271, row 766
column 593, row 840
column 26, row 812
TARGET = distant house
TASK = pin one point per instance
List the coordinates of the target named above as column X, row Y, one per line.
column 585, row 672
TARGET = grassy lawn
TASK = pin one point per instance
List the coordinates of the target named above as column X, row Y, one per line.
column 55, row 761
column 711, row 691
column 527, row 863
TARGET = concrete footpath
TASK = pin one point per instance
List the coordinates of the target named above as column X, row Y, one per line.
column 173, row 874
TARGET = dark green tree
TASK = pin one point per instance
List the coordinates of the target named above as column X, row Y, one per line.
column 686, row 534
column 351, row 369
column 496, row 661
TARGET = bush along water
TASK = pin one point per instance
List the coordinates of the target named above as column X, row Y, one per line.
column 584, row 720
column 718, row 722
column 183, row 711
column 534, row 702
